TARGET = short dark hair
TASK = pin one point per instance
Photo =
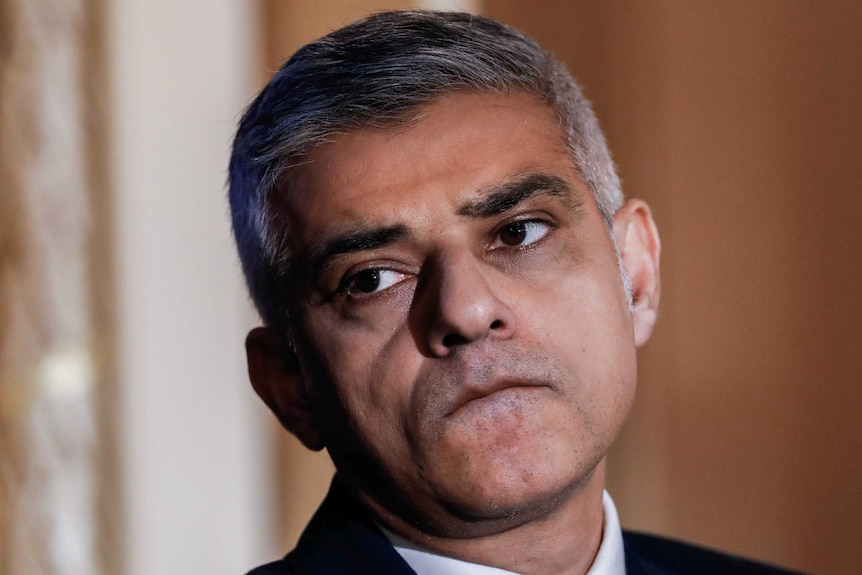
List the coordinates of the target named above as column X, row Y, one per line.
column 377, row 72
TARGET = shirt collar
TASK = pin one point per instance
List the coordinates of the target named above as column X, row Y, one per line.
column 610, row 560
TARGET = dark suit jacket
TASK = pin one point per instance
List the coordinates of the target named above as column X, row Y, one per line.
column 341, row 538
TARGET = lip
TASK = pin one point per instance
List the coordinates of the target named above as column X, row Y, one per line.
column 473, row 392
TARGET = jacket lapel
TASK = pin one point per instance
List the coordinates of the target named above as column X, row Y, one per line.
column 342, row 538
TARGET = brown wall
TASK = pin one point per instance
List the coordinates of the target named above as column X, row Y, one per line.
column 289, row 24
column 740, row 122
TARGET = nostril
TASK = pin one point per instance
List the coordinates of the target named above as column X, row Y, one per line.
column 496, row 324
column 453, row 339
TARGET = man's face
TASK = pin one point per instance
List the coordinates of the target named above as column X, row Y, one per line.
column 462, row 323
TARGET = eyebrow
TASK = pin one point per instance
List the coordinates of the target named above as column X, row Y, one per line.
column 504, row 196
column 499, row 199
column 351, row 242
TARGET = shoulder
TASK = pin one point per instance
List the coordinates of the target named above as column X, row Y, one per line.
column 282, row 567
column 652, row 555
column 341, row 538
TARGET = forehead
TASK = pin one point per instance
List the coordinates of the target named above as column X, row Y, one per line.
column 456, row 147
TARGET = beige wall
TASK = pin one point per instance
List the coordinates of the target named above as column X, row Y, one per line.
column 740, row 123
column 129, row 440
column 190, row 434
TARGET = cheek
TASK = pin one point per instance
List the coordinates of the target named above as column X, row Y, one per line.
column 584, row 317
column 367, row 376
column 368, row 366
column 580, row 306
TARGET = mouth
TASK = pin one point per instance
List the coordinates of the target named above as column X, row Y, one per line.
column 501, row 389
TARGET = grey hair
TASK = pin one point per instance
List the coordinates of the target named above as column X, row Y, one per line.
column 378, row 72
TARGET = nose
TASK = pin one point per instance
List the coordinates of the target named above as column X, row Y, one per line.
column 458, row 303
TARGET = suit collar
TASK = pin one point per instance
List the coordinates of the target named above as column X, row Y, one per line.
column 342, row 538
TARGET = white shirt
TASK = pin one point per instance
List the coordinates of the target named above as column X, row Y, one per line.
column 610, row 560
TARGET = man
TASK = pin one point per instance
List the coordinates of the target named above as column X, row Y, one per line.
column 453, row 289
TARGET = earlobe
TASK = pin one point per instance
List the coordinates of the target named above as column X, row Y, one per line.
column 640, row 250
column 277, row 380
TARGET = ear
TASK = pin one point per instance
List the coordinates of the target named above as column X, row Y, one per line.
column 640, row 248
column 276, row 377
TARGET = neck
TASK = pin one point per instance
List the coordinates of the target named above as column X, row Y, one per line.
column 564, row 541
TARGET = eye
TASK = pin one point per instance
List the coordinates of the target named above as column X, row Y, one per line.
column 371, row 281
column 521, row 233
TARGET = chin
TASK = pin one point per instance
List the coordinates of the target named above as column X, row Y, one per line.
column 504, row 496
column 469, row 518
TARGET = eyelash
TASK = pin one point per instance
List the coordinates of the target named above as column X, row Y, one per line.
column 522, row 222
column 349, row 281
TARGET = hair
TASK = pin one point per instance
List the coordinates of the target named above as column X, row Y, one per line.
column 378, row 72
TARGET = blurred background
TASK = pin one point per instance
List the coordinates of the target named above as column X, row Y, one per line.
column 130, row 441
